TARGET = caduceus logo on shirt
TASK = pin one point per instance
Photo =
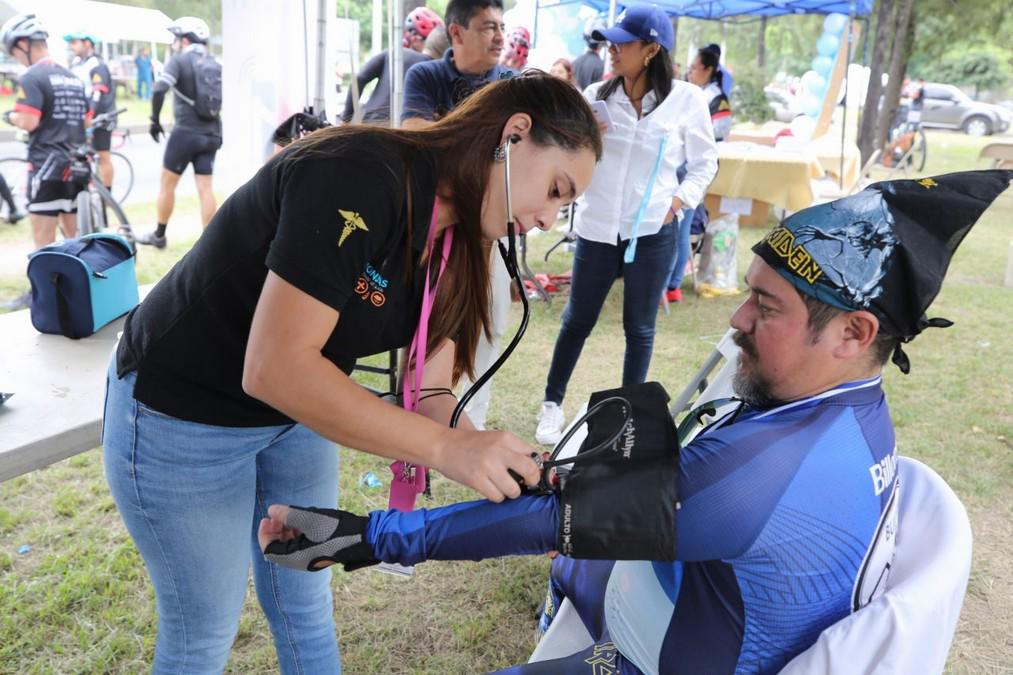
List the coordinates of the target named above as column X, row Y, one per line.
column 353, row 222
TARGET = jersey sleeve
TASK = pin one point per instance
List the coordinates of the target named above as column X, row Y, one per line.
column 466, row 531
column 101, row 85
column 419, row 97
column 335, row 216
column 169, row 76
column 29, row 97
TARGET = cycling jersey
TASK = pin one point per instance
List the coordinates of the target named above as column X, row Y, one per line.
column 56, row 96
column 98, row 85
column 786, row 525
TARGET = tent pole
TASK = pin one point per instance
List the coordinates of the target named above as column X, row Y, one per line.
column 322, row 22
column 612, row 12
column 395, row 59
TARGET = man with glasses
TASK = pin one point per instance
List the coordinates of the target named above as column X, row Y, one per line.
column 434, row 88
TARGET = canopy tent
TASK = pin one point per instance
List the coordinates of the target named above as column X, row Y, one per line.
column 104, row 20
column 728, row 9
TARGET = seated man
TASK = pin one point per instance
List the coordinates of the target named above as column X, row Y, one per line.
column 787, row 506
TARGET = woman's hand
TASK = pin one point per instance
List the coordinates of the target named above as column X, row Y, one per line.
column 482, row 460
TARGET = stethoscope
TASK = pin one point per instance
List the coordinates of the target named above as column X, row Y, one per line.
column 509, row 255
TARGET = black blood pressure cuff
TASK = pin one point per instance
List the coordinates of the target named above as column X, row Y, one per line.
column 621, row 504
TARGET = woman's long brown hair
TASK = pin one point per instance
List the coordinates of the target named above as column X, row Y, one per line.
column 462, row 144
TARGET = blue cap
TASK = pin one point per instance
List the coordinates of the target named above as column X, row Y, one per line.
column 640, row 22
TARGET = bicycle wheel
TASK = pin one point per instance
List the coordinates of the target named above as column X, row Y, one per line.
column 89, row 213
column 920, row 151
column 123, row 176
column 15, row 172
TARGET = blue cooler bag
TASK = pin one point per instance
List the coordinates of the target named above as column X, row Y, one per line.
column 80, row 285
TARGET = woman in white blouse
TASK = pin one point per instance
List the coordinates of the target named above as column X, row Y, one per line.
column 625, row 221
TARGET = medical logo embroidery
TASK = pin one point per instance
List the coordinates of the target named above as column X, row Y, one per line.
column 371, row 286
column 928, row 183
column 353, row 222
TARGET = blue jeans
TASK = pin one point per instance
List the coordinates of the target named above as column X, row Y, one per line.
column 143, row 88
column 682, row 249
column 595, row 267
column 192, row 496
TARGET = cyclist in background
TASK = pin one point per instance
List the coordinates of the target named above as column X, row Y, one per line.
column 98, row 88
column 51, row 106
column 197, row 133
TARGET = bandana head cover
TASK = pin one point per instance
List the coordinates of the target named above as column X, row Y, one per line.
column 885, row 249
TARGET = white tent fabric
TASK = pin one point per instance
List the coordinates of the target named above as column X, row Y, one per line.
column 106, row 21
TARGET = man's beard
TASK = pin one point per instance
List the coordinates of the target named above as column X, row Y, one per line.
column 752, row 388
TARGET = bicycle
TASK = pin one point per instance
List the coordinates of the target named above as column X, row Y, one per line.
column 123, row 169
column 907, row 146
column 15, row 172
column 95, row 199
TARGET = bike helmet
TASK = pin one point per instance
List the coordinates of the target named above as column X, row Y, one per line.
column 420, row 22
column 22, row 26
column 595, row 23
column 191, row 28
column 518, row 43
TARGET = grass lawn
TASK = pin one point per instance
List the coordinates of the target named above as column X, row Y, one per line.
column 80, row 600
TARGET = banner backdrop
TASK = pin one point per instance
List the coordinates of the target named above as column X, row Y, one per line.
column 269, row 71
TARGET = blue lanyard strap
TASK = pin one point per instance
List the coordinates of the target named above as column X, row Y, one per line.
column 631, row 250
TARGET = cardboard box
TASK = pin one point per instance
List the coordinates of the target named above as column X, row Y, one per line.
column 752, row 212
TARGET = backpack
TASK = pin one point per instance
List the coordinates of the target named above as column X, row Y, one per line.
column 80, row 285
column 207, row 78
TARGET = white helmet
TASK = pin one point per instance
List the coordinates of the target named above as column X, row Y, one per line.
column 192, row 28
column 22, row 26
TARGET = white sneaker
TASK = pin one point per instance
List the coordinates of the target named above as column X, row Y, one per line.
column 550, row 424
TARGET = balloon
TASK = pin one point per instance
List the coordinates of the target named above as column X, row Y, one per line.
column 827, row 45
column 802, row 127
column 812, row 105
column 834, row 24
column 823, row 65
column 813, row 83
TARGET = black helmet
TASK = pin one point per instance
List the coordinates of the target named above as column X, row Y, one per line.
column 22, row 26
column 590, row 26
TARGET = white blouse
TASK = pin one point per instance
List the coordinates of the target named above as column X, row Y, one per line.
column 607, row 211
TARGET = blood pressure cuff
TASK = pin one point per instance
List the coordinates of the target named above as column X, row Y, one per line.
column 621, row 505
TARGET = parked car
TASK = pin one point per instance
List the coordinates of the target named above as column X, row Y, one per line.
column 947, row 107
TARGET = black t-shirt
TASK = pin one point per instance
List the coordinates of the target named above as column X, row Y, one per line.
column 335, row 227
column 98, row 83
column 377, row 108
column 54, row 94
column 178, row 74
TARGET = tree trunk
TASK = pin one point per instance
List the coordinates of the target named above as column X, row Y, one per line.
column 904, row 32
column 870, row 112
column 761, row 46
column 675, row 39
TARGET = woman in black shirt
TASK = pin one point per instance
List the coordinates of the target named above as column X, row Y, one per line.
column 230, row 384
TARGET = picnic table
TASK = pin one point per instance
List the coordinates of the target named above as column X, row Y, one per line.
column 59, row 392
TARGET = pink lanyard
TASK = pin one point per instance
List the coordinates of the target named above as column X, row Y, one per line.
column 410, row 480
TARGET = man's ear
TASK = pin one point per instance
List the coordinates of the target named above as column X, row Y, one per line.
column 454, row 31
column 858, row 331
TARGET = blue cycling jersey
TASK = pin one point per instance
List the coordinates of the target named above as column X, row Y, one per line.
column 786, row 525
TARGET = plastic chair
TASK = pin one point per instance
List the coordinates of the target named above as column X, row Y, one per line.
column 910, row 627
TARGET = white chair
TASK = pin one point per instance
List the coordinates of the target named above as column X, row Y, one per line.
column 909, row 628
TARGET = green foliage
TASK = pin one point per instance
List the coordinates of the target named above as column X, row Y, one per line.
column 749, row 103
column 981, row 69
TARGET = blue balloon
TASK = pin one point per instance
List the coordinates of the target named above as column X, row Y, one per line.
column 834, row 23
column 827, row 45
column 812, row 105
column 823, row 65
